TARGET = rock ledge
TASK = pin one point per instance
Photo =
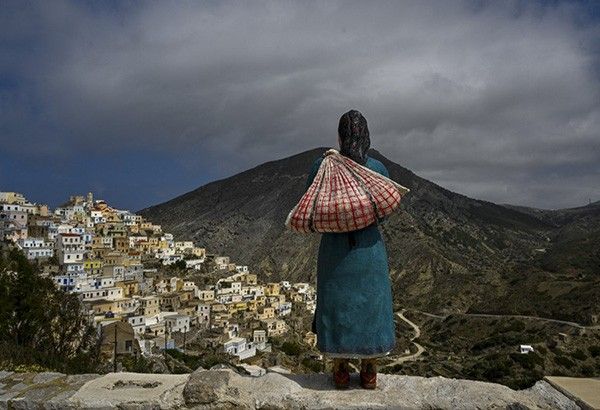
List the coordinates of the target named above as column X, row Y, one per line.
column 277, row 389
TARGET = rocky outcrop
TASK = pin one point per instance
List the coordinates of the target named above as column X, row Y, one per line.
column 277, row 389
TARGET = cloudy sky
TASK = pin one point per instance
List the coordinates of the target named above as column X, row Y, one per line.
column 143, row 101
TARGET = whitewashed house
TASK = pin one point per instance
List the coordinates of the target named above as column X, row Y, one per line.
column 178, row 323
column 238, row 346
column 524, row 349
column 284, row 308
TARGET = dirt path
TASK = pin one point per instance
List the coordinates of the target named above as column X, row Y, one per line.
column 417, row 334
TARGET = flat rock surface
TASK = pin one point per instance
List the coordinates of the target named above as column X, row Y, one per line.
column 225, row 388
column 277, row 390
column 132, row 389
column 52, row 390
column 584, row 390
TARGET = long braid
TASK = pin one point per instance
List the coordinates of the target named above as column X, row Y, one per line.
column 354, row 144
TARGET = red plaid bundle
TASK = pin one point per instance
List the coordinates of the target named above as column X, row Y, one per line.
column 344, row 196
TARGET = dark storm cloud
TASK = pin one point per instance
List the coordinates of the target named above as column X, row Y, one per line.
column 496, row 101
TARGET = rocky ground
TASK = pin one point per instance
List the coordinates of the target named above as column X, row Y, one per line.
column 274, row 389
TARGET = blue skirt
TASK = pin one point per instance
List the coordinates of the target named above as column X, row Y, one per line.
column 354, row 315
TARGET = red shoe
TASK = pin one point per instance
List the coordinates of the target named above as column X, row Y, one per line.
column 368, row 374
column 341, row 374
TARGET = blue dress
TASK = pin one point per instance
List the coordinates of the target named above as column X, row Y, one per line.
column 354, row 315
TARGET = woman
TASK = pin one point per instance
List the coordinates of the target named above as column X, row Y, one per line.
column 354, row 313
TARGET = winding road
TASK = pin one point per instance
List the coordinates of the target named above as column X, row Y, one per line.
column 420, row 349
column 490, row 315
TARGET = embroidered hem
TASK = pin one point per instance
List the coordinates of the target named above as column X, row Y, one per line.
column 355, row 355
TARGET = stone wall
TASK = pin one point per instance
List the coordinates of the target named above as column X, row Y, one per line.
column 274, row 389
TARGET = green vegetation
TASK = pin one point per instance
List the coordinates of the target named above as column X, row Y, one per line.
column 563, row 361
column 136, row 363
column 312, row 364
column 206, row 361
column 292, row 348
column 487, row 349
column 40, row 325
column 594, row 350
column 579, row 355
column 193, row 362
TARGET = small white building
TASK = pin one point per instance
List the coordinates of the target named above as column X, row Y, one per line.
column 259, row 338
column 524, row 349
column 194, row 263
column 238, row 346
column 284, row 308
column 138, row 323
column 302, row 287
column 178, row 323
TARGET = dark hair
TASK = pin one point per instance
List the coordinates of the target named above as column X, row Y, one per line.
column 354, row 136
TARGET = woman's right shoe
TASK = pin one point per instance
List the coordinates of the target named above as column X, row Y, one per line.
column 368, row 374
column 341, row 373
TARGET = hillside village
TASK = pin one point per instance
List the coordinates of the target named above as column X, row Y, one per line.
column 113, row 259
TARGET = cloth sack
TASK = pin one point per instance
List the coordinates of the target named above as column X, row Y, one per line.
column 344, row 196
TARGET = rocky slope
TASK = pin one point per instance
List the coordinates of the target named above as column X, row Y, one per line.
column 227, row 389
column 447, row 252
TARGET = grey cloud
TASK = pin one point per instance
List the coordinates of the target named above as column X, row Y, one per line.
column 468, row 94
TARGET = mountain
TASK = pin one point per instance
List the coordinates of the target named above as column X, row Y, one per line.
column 447, row 252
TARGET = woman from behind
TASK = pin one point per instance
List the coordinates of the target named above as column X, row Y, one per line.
column 354, row 312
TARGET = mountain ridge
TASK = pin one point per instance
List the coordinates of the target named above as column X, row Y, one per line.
column 447, row 252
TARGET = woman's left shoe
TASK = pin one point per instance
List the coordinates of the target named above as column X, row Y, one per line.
column 341, row 373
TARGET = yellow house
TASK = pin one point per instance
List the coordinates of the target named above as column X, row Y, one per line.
column 206, row 295
column 121, row 244
column 310, row 339
column 103, row 306
column 114, row 258
column 265, row 312
column 130, row 287
column 272, row 289
column 261, row 300
column 251, row 305
column 186, row 295
column 144, row 246
column 250, row 279
column 92, row 266
column 150, row 305
column 190, row 310
column 98, row 241
column 12, row 198
column 275, row 327
column 218, row 308
column 111, row 216
column 100, row 253
column 199, row 252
